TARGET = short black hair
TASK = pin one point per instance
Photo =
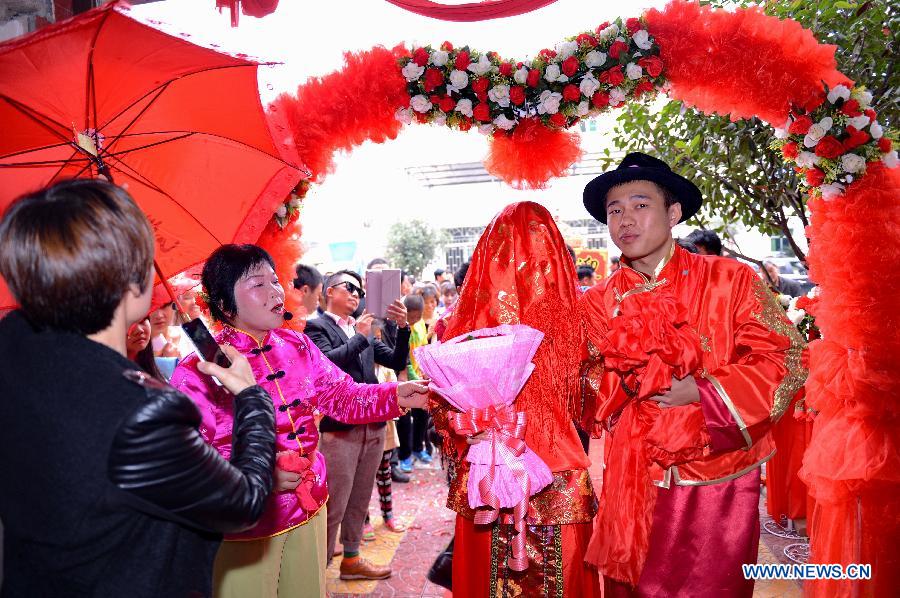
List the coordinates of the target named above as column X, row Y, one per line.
column 223, row 269
column 378, row 261
column 334, row 278
column 571, row 253
column 439, row 272
column 584, row 271
column 414, row 303
column 427, row 290
column 687, row 245
column 706, row 238
column 459, row 277
column 307, row 276
column 614, row 259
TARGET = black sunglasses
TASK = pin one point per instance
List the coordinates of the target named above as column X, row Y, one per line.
column 351, row 288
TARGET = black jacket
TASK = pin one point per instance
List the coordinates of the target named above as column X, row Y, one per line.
column 357, row 356
column 108, row 487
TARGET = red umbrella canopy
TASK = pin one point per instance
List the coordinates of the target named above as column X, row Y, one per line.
column 180, row 125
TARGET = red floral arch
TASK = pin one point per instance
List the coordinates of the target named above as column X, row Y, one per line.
column 741, row 63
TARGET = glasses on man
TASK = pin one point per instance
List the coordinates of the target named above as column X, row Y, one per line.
column 351, row 288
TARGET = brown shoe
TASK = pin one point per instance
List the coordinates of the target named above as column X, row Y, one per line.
column 360, row 568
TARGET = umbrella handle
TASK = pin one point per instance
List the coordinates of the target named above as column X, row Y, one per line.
column 179, row 311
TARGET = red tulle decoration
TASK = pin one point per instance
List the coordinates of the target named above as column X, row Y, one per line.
column 532, row 154
column 852, row 464
column 286, row 249
column 343, row 109
column 743, row 63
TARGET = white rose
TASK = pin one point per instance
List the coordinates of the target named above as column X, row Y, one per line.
column 583, row 108
column 439, row 119
column 616, row 97
column 826, row 123
column 404, row 115
column 814, row 135
column 813, row 292
column 876, row 130
column 464, row 107
column 609, row 32
column 796, row 316
column 504, row 123
column 831, row 191
column 562, row 79
column 807, row 160
column 482, row 67
column 589, row 85
column 281, row 212
column 500, row 95
column 642, row 39
column 548, row 102
column 486, row 128
column 890, row 159
column 521, row 76
column 633, row 71
column 594, row 58
column 781, row 134
column 458, row 79
column 440, row 57
column 784, row 300
column 552, row 72
column 412, row 71
column 420, row 103
column 839, row 92
column 565, row 49
column 858, row 122
column 863, row 97
column 852, row 163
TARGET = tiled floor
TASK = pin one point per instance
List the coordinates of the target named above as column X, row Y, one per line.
column 421, row 505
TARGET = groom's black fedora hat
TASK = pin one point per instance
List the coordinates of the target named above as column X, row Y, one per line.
column 641, row 167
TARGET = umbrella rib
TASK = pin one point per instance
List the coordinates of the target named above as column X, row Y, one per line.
column 43, row 163
column 90, row 91
column 149, row 145
column 147, row 182
column 30, row 113
column 36, row 149
column 125, row 130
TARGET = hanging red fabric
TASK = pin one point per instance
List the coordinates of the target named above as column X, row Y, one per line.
column 251, row 8
column 473, row 11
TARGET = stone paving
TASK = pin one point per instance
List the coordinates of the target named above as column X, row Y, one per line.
column 420, row 504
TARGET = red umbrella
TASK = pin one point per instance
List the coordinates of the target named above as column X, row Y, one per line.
column 181, row 126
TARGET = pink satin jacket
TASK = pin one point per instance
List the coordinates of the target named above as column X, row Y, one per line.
column 300, row 379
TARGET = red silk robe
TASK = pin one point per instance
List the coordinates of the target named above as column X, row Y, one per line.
column 749, row 370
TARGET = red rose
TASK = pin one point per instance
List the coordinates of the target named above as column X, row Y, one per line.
column 422, row 117
column 433, row 78
column 558, row 119
column 434, row 98
column 447, row 47
column 814, row 177
column 600, row 99
column 586, row 39
column 652, row 64
column 800, row 126
column 885, row 145
column 616, row 49
column 634, row 25
column 480, row 87
column 547, row 54
column 602, row 26
column 851, row 108
column 517, row 95
column 571, row 93
column 462, row 60
column 482, row 112
column 420, row 56
column 856, row 139
column 871, row 114
column 613, row 76
column 570, row 66
column 534, row 77
column 464, row 123
column 790, row 150
column 829, row 147
column 447, row 104
column 506, row 69
column 643, row 87
column 520, row 65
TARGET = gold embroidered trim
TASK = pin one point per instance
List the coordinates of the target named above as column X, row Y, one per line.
column 557, row 548
column 731, row 409
column 772, row 317
column 728, row 478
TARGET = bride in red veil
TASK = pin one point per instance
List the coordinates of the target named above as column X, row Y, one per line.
column 521, row 273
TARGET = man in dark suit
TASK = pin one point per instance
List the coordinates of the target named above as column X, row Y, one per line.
column 353, row 452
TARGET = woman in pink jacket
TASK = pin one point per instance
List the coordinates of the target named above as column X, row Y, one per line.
column 284, row 554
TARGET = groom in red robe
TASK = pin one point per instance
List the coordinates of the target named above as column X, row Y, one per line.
column 691, row 362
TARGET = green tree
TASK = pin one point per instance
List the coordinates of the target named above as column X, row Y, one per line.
column 411, row 245
column 742, row 180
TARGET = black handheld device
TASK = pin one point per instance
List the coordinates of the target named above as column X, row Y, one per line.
column 207, row 347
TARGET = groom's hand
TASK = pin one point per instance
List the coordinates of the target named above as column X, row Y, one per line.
column 683, row 392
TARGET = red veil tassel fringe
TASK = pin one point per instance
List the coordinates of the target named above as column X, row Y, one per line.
column 852, row 465
column 708, row 64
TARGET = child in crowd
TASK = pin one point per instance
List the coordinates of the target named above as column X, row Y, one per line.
column 413, row 425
